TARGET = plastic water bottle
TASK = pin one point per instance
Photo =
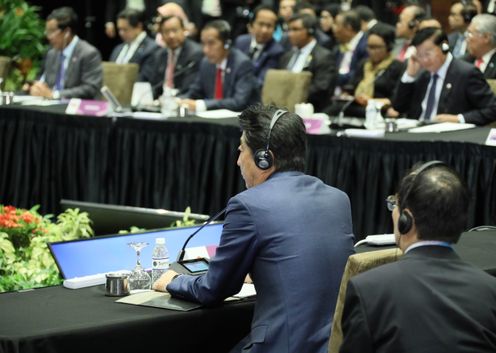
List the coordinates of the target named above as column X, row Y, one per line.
column 160, row 259
column 370, row 115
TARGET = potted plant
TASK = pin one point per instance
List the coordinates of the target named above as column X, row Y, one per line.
column 25, row 261
column 21, row 41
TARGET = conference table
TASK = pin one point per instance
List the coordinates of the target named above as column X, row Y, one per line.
column 59, row 320
column 47, row 155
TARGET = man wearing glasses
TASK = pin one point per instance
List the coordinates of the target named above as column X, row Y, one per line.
column 72, row 67
column 429, row 300
column 481, row 44
column 439, row 88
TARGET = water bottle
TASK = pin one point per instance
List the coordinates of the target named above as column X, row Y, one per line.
column 160, row 259
column 370, row 115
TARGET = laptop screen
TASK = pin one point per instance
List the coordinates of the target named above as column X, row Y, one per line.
column 103, row 254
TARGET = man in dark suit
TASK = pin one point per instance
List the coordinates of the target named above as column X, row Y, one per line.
column 481, row 44
column 352, row 48
column 226, row 77
column 271, row 231
column 438, row 87
column 460, row 16
column 176, row 65
column 259, row 45
column 308, row 55
column 429, row 300
column 72, row 67
column 137, row 47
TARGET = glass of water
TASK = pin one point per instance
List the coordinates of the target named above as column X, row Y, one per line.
column 139, row 279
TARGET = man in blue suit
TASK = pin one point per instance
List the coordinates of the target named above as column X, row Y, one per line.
column 291, row 232
column 260, row 45
column 226, row 77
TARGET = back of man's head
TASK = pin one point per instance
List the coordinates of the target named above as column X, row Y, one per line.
column 438, row 200
column 66, row 17
column 352, row 20
column 287, row 137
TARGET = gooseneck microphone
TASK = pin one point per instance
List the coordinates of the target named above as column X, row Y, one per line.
column 210, row 220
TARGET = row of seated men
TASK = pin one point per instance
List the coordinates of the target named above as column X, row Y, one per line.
column 430, row 83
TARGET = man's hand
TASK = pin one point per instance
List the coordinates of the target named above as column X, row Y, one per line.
column 450, row 118
column 40, row 89
column 191, row 103
column 161, row 283
column 413, row 67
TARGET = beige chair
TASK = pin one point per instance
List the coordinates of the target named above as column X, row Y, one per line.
column 356, row 264
column 492, row 84
column 285, row 89
column 120, row 78
column 5, row 62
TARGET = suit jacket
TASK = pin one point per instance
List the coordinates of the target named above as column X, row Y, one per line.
column 186, row 69
column 293, row 234
column 428, row 301
column 83, row 75
column 321, row 64
column 465, row 91
column 142, row 55
column 113, row 7
column 490, row 71
column 267, row 59
column 240, row 87
column 359, row 54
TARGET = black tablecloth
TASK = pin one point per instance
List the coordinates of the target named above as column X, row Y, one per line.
column 56, row 319
column 46, row 156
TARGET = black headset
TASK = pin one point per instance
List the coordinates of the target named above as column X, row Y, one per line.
column 405, row 221
column 263, row 158
column 224, row 30
column 468, row 12
column 419, row 16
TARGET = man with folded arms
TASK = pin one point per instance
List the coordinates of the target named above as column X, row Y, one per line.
column 72, row 67
column 226, row 78
column 437, row 87
column 291, row 232
column 429, row 300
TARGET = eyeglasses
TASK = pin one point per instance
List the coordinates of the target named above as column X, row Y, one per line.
column 391, row 202
column 51, row 32
column 468, row 34
column 375, row 47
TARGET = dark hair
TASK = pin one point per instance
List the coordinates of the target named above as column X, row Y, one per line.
column 364, row 12
column 287, row 139
column 333, row 9
column 133, row 16
column 222, row 27
column 66, row 17
column 386, row 32
column 436, row 34
column 418, row 15
column 304, row 5
column 309, row 22
column 438, row 200
column 164, row 19
column 259, row 8
column 352, row 19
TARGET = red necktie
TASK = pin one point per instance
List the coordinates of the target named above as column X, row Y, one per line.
column 218, row 84
column 478, row 63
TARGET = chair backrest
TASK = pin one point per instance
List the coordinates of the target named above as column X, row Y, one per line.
column 356, row 264
column 284, row 88
column 4, row 69
column 120, row 78
column 492, row 84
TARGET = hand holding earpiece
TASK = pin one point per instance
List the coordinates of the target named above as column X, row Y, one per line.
column 413, row 66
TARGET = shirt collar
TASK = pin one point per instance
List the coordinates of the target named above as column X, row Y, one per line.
column 68, row 50
column 307, row 49
column 428, row 243
column 441, row 73
column 222, row 65
column 254, row 44
column 139, row 38
column 354, row 41
column 486, row 57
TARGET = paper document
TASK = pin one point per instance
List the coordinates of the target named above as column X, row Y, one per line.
column 441, row 127
column 491, row 138
column 364, row 133
column 218, row 114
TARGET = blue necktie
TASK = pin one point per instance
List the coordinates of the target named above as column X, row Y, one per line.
column 59, row 80
column 431, row 99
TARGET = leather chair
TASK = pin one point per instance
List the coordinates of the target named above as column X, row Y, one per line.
column 120, row 79
column 285, row 89
column 356, row 264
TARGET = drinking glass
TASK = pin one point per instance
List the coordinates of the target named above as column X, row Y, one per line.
column 139, row 279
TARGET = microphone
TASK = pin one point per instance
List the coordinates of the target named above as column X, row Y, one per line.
column 341, row 112
column 184, row 69
column 210, row 220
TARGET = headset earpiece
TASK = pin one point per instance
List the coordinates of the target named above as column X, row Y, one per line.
column 405, row 222
column 311, row 31
column 227, row 44
column 412, row 24
column 263, row 157
column 445, row 47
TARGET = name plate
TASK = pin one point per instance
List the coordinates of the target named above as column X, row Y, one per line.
column 78, row 106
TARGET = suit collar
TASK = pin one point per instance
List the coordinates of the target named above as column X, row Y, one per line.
column 434, row 251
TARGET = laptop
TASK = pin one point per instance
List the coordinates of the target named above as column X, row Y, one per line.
column 84, row 257
column 110, row 219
